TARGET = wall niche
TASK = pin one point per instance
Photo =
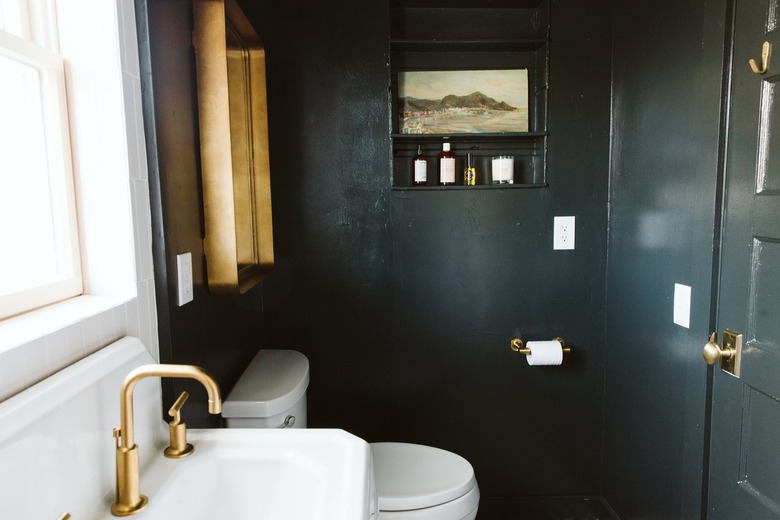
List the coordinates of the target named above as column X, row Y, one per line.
column 460, row 37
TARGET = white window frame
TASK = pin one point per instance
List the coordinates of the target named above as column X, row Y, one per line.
column 98, row 41
column 51, row 68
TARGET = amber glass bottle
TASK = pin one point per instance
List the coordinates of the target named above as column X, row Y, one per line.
column 420, row 168
column 446, row 166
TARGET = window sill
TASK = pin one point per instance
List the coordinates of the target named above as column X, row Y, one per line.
column 32, row 325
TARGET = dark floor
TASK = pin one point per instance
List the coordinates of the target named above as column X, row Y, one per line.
column 546, row 508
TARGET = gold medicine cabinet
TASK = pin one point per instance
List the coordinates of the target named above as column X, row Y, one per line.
column 233, row 119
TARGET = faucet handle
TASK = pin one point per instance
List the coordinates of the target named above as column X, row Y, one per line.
column 178, row 431
column 175, row 411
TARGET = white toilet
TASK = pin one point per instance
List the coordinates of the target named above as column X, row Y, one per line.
column 413, row 482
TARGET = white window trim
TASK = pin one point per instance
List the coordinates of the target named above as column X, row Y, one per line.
column 52, row 69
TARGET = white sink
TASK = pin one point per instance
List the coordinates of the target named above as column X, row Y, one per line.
column 57, row 455
column 237, row 474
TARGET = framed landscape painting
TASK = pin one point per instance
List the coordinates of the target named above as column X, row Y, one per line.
column 463, row 101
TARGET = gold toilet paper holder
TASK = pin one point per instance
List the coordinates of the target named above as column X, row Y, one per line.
column 517, row 346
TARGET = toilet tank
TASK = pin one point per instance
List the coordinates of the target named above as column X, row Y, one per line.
column 271, row 393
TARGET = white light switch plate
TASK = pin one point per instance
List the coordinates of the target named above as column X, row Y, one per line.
column 184, row 278
column 682, row 305
column 563, row 232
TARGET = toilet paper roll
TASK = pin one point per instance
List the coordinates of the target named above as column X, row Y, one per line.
column 544, row 353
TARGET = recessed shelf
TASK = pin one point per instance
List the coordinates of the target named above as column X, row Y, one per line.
column 470, row 137
column 467, row 45
column 468, row 4
column 528, row 153
column 470, row 188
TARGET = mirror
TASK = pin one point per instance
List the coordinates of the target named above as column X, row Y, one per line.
column 233, row 120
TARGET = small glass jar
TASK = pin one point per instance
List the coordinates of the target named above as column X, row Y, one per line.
column 503, row 169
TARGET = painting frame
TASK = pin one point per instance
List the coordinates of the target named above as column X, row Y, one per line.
column 463, row 101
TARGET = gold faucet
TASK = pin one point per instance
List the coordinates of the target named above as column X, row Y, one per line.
column 129, row 499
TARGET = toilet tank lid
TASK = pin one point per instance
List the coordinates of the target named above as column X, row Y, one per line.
column 272, row 383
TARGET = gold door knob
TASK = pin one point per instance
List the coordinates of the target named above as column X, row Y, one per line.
column 713, row 353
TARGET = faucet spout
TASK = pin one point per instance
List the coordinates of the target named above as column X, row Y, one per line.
column 129, row 499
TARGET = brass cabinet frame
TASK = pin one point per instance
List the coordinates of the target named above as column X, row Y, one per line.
column 233, row 119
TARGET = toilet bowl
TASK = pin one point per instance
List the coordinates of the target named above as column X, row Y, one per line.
column 416, row 482
column 413, row 482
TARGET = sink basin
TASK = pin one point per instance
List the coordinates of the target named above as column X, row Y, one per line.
column 57, row 456
column 254, row 473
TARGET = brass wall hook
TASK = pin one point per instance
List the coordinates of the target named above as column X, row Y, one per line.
column 517, row 345
column 766, row 52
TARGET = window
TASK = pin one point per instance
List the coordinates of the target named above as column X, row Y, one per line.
column 40, row 262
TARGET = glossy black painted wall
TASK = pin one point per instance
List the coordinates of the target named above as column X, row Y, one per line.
column 664, row 178
column 404, row 302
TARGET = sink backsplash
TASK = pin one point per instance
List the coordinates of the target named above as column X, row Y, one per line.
column 57, row 452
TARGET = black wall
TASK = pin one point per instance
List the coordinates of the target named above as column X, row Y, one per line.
column 405, row 302
column 664, row 177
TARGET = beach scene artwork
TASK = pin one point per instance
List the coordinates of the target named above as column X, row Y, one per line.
column 463, row 101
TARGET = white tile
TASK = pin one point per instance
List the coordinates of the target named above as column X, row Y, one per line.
column 154, row 341
column 91, row 329
column 147, row 313
column 59, row 353
column 142, row 231
column 107, row 328
column 129, row 86
column 75, row 338
column 113, row 144
column 141, row 134
column 120, row 321
column 131, row 311
column 143, row 312
column 35, row 362
column 128, row 40
column 13, row 373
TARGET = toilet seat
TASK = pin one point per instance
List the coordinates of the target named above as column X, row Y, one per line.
column 412, row 476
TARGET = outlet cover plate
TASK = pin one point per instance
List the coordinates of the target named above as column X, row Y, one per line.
column 563, row 233
column 682, row 305
column 184, row 278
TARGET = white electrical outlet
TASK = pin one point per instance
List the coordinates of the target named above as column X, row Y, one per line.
column 184, row 277
column 563, row 233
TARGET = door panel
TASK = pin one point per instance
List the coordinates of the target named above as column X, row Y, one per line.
column 760, row 462
column 745, row 455
column 763, row 325
column 768, row 178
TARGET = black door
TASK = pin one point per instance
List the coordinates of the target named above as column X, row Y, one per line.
column 745, row 455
